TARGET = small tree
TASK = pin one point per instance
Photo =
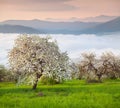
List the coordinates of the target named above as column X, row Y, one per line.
column 87, row 65
column 111, row 64
column 2, row 73
column 5, row 74
column 73, row 72
column 32, row 56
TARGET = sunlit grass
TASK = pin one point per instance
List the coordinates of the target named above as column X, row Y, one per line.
column 70, row 94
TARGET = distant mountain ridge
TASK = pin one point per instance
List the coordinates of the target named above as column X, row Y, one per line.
column 107, row 27
column 17, row 29
column 100, row 18
column 53, row 27
column 48, row 27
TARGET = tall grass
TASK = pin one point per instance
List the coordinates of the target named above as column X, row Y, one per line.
column 70, row 94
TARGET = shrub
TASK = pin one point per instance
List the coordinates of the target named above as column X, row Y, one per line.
column 5, row 74
column 2, row 73
column 93, row 81
column 48, row 80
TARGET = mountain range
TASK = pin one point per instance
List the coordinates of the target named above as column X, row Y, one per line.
column 49, row 27
column 100, row 18
column 107, row 27
column 17, row 29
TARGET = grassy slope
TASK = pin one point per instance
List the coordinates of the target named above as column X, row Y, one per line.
column 71, row 94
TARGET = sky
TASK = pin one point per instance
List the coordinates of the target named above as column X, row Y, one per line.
column 57, row 9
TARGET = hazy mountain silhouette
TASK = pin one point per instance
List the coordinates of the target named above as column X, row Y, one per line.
column 39, row 26
column 17, row 29
column 100, row 18
column 107, row 27
column 53, row 27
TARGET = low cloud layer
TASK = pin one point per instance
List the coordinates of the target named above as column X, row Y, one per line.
column 73, row 44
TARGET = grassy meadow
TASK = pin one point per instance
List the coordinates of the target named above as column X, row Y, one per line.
column 70, row 94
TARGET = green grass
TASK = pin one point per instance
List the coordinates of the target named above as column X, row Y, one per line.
column 70, row 94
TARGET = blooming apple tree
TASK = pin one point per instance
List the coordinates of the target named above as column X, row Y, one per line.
column 33, row 56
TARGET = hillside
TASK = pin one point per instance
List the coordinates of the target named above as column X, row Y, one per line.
column 17, row 29
column 107, row 27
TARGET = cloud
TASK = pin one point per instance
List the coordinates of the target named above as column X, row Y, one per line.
column 49, row 7
column 39, row 5
column 73, row 44
column 32, row 1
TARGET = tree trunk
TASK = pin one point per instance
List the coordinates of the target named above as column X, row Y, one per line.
column 36, row 81
column 99, row 78
column 35, row 84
